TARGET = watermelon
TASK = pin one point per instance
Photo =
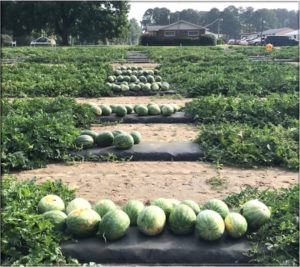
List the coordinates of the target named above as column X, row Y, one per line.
column 117, row 72
column 154, row 109
column 129, row 108
column 142, row 110
column 132, row 86
column 133, row 78
column 123, row 141
column 143, row 79
column 83, row 222
column 165, row 86
column 174, row 202
column 133, row 208
column 151, row 220
column 192, row 204
column 90, row 133
column 103, row 206
column 50, row 202
column 120, row 78
column 123, row 68
column 126, row 78
column 137, row 87
column 167, row 110
column 111, row 79
column 235, row 224
column 57, row 218
column 156, row 72
column 121, row 111
column 165, row 204
column 124, row 87
column 104, row 139
column 256, row 213
column 78, row 203
column 140, row 68
column 146, row 87
column 116, row 88
column 209, row 225
column 114, row 225
column 175, row 107
column 154, row 87
column 113, row 108
column 150, row 79
column 182, row 220
column 84, row 141
column 106, row 110
column 136, row 137
column 218, row 206
column 97, row 110
column 150, row 72
column 158, row 78
column 117, row 132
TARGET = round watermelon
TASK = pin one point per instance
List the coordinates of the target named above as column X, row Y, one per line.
column 123, row 141
column 142, row 110
column 256, row 213
column 124, row 87
column 151, row 220
column 165, row 86
column 235, row 224
column 78, row 203
column 111, row 79
column 103, row 206
column 116, row 88
column 90, row 133
column 175, row 107
column 117, row 132
column 156, row 71
column 218, row 206
column 129, row 108
column 83, row 222
column 121, row 111
column 150, row 79
column 143, row 79
column 182, row 220
column 133, row 208
column 120, row 78
column 174, row 202
column 154, row 87
column 57, row 218
column 136, row 137
column 117, row 72
column 154, row 109
column 165, row 204
column 84, row 141
column 158, row 78
column 105, row 139
column 114, row 225
column 50, row 202
column 97, row 110
column 133, row 78
column 113, row 108
column 167, row 110
column 106, row 110
column 192, row 204
column 146, row 87
column 209, row 225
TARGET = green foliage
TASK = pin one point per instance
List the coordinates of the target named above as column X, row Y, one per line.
column 26, row 237
column 277, row 242
column 279, row 109
column 37, row 131
column 240, row 144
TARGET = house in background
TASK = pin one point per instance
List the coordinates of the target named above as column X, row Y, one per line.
column 277, row 32
column 293, row 34
column 179, row 29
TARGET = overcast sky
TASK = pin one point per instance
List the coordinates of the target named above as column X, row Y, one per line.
column 138, row 8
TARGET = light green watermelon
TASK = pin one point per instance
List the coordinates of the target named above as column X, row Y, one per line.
column 165, row 204
column 120, row 78
column 114, row 225
column 174, row 202
column 192, row 204
column 78, row 203
column 150, row 79
column 235, row 224
column 113, row 108
column 57, row 218
column 133, row 78
column 209, row 225
column 137, row 137
column 151, row 220
column 123, row 141
column 121, row 111
column 124, row 87
column 165, row 86
column 50, row 202
column 106, row 110
column 167, row 110
column 133, row 208
column 129, row 108
column 111, row 79
column 97, row 110
column 154, row 87
column 142, row 110
column 158, row 78
column 84, row 141
column 104, row 139
column 146, row 87
column 154, row 109
column 117, row 132
column 256, row 213
column 117, row 72
column 83, row 222
column 218, row 206
column 182, row 220
column 103, row 206
column 90, row 133
column 143, row 79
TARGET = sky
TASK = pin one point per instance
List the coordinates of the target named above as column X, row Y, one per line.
column 138, row 8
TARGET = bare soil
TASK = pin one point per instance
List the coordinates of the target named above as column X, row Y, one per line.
column 149, row 180
column 149, row 66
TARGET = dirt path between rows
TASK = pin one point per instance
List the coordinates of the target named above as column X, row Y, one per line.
column 150, row 180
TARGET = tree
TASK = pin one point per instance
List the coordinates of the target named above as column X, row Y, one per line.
column 231, row 24
column 135, row 32
column 156, row 16
column 209, row 18
column 190, row 15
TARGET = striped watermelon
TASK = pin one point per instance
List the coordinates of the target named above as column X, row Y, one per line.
column 218, row 206
column 235, row 224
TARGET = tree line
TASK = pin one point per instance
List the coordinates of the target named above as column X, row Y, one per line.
column 235, row 21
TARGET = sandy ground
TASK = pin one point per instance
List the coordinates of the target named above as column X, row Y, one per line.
column 150, row 180
column 134, row 100
column 149, row 66
column 156, row 132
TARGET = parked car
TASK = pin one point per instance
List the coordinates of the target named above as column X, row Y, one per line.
column 256, row 41
column 43, row 41
column 281, row 41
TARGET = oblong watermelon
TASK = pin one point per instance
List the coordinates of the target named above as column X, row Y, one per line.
column 154, row 109
column 123, row 141
column 104, row 139
column 84, row 141
column 142, row 110
column 114, row 225
column 50, row 202
column 218, row 206
column 165, row 204
column 209, row 225
column 151, row 220
column 78, row 203
column 192, row 204
column 133, row 208
column 137, row 137
column 104, row 206
column 57, row 218
column 83, row 222
column 182, row 220
column 256, row 213
column 90, row 133
column 121, row 111
column 235, row 224
column 106, row 110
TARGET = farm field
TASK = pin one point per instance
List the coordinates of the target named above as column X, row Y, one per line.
column 245, row 119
